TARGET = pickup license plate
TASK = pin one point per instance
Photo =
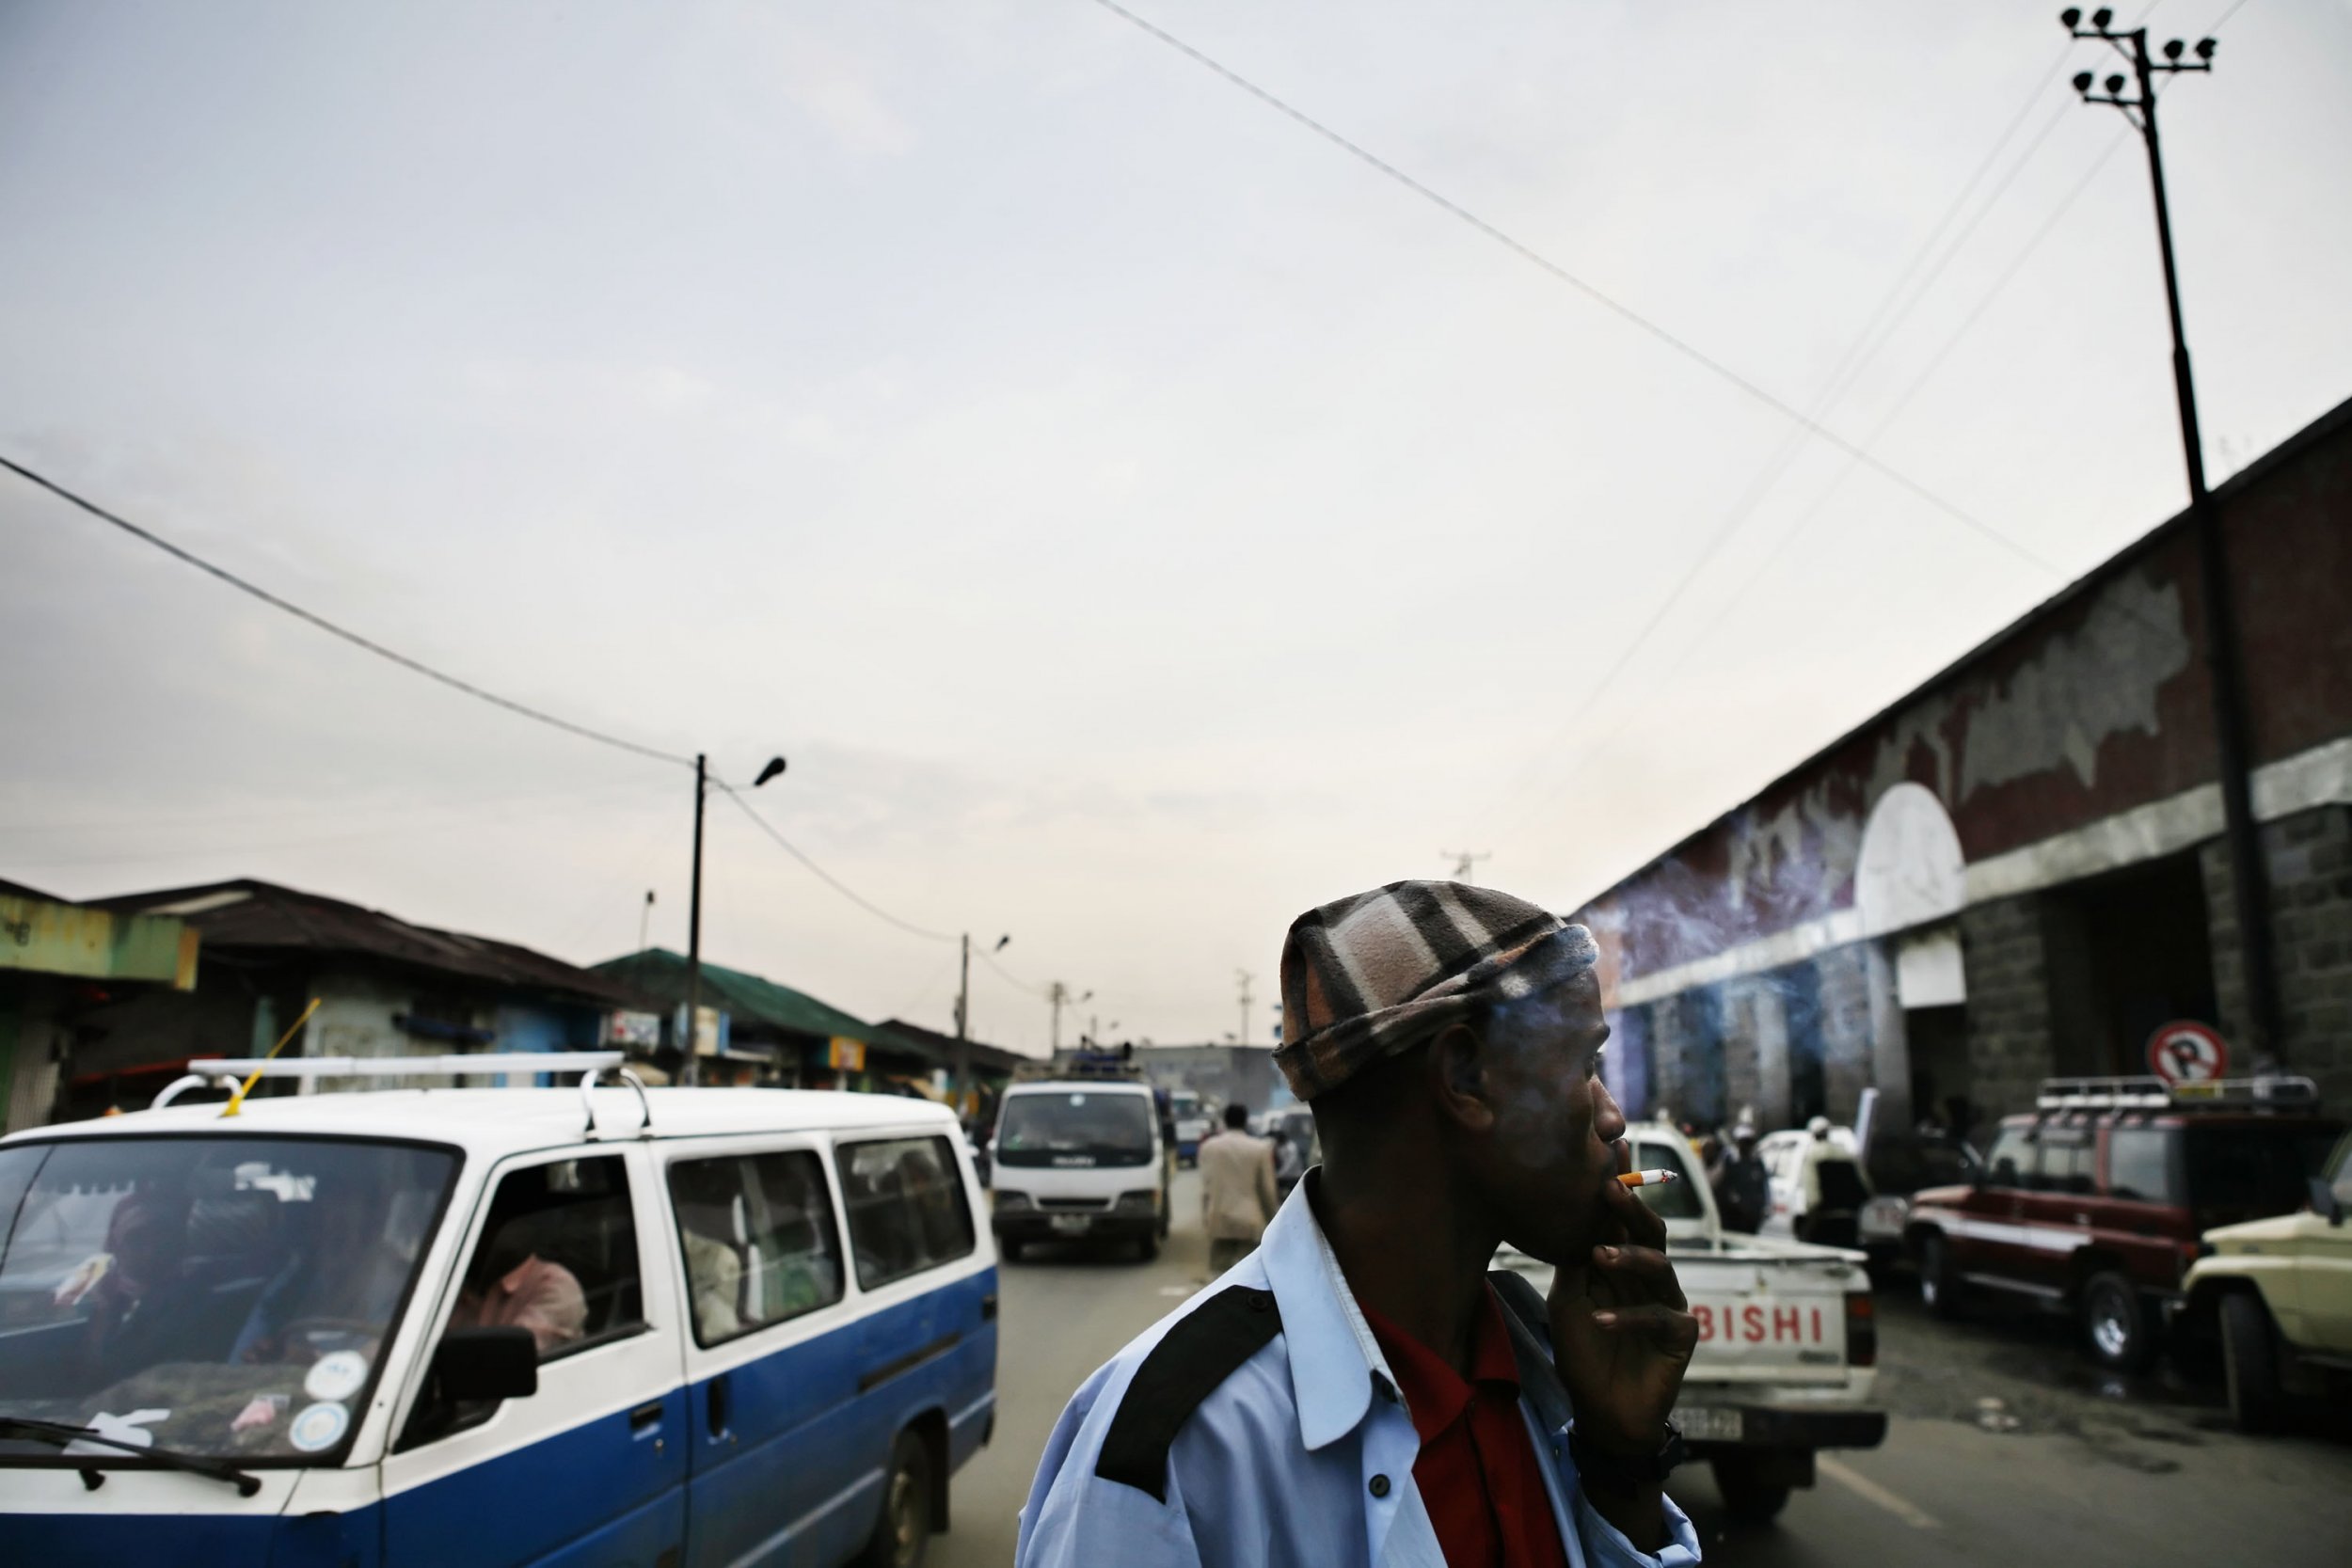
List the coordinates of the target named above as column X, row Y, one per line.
column 1070, row 1225
column 1700, row 1423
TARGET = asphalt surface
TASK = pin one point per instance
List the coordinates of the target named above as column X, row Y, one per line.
column 2004, row 1447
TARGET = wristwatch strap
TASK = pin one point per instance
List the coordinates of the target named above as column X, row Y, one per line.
column 1612, row 1471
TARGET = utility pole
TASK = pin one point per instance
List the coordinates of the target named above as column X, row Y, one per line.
column 1059, row 995
column 964, row 1021
column 692, row 1072
column 1465, row 861
column 2248, row 876
column 1246, row 977
column 645, row 921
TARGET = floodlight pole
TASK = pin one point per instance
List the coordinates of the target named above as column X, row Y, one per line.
column 2248, row 875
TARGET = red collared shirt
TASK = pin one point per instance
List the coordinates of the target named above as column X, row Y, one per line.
column 1478, row 1473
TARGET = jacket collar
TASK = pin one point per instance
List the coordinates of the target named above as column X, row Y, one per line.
column 1334, row 1358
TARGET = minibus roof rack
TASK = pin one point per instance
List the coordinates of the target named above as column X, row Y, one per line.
column 2145, row 1093
column 228, row 1072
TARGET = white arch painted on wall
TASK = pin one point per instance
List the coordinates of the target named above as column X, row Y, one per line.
column 1910, row 871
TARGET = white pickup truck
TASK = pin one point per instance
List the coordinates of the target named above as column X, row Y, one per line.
column 1787, row 1341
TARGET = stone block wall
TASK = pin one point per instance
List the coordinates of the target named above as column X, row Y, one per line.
column 2309, row 856
column 1846, row 1038
column 2010, row 1044
column 1744, row 1003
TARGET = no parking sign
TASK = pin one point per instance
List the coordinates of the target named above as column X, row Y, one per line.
column 2187, row 1052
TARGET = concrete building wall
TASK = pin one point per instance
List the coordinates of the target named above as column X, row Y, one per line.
column 2076, row 746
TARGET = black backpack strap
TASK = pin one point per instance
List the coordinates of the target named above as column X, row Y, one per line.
column 1528, row 1318
column 1199, row 1353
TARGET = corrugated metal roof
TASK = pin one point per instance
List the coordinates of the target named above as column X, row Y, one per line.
column 660, row 973
column 248, row 916
column 991, row 1058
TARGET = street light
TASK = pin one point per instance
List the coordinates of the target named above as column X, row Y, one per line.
column 691, row 1073
column 2248, row 875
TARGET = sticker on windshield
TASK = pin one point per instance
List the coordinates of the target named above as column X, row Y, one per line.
column 319, row 1426
column 336, row 1376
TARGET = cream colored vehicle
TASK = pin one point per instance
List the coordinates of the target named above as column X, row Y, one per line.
column 2278, row 1291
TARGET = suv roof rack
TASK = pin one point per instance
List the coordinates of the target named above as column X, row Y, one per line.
column 2271, row 1091
column 1109, row 1065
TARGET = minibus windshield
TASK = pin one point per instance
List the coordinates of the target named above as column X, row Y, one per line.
column 1076, row 1127
column 222, row 1297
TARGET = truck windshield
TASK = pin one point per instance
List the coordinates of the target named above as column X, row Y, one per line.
column 2261, row 1169
column 224, row 1297
column 1079, row 1127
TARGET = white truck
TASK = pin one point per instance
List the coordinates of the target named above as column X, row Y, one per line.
column 1787, row 1339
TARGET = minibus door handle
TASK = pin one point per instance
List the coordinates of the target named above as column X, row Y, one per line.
column 645, row 1416
column 988, row 1307
column 715, row 1406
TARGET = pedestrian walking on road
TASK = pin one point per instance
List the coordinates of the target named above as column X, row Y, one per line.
column 1360, row 1390
column 1237, row 1193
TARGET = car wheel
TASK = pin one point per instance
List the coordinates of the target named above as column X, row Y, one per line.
column 2118, row 1328
column 1939, row 1285
column 903, row 1532
column 2249, row 1362
column 1147, row 1249
column 1748, row 1497
column 1010, row 1250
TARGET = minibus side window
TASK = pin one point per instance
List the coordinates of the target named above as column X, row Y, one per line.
column 907, row 1208
column 557, row 1256
column 759, row 1241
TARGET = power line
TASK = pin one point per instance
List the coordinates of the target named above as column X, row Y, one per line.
column 1601, row 748
column 1554, row 269
column 826, row 877
column 1858, row 356
column 1041, row 992
column 331, row 628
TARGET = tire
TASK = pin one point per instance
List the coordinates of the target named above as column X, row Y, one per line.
column 2250, row 1363
column 1010, row 1250
column 903, row 1532
column 2119, row 1330
column 1165, row 1206
column 1147, row 1249
column 1939, row 1283
column 1748, row 1498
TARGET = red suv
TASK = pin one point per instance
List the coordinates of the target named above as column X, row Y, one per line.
column 2093, row 1203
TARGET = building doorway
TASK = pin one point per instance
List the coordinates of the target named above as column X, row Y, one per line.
column 2127, row 952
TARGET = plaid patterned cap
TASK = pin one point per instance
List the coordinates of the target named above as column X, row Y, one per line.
column 1370, row 975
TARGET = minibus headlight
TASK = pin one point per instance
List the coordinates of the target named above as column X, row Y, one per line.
column 1004, row 1200
column 1143, row 1198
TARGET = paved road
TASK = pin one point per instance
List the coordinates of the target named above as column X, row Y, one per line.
column 1064, row 1314
column 2065, row 1468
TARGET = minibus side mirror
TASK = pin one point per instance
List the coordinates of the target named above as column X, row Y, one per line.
column 2324, row 1202
column 471, row 1364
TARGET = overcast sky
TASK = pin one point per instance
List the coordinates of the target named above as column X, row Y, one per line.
column 1136, row 519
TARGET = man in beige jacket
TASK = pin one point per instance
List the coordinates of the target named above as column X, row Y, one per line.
column 1237, row 1193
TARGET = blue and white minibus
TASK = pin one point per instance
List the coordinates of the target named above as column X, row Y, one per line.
column 504, row 1326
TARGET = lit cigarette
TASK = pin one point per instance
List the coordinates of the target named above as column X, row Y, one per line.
column 1647, row 1178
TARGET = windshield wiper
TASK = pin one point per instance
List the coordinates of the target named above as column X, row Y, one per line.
column 61, row 1434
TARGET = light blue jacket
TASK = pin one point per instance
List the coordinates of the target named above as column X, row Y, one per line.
column 1299, row 1458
